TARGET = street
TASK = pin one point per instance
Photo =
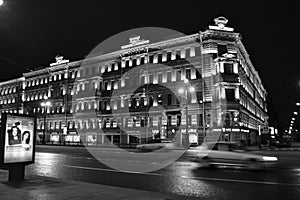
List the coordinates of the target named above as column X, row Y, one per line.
column 181, row 177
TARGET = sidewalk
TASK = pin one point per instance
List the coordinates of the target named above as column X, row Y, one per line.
column 295, row 146
column 38, row 187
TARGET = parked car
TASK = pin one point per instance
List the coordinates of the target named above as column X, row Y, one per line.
column 213, row 154
column 156, row 145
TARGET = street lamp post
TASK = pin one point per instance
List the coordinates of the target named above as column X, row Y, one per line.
column 45, row 105
column 185, row 91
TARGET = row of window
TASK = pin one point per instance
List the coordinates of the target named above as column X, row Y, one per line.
column 7, row 100
column 54, row 77
column 154, row 78
column 8, row 90
column 254, row 94
column 142, row 59
column 126, row 122
column 251, row 107
column 254, row 80
column 12, row 111
column 226, row 68
column 115, row 104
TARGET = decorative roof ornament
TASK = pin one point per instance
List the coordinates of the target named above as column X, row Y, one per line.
column 59, row 60
column 221, row 24
column 135, row 40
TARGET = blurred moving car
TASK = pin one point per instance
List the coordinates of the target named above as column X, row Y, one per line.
column 213, row 154
column 283, row 142
column 156, row 145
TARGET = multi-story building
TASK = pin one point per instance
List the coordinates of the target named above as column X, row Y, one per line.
column 10, row 96
column 190, row 88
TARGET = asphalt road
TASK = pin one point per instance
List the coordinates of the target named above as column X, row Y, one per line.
column 180, row 177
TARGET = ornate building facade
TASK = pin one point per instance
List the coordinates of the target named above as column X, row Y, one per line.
column 194, row 88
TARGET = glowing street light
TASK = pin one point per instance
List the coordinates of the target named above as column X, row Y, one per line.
column 181, row 90
column 185, row 91
column 45, row 105
column 293, row 118
column 1, row 2
column 191, row 89
column 295, row 113
column 297, row 104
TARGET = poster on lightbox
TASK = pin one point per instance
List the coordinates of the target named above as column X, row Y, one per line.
column 19, row 139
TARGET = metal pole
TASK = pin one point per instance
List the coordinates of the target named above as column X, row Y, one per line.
column 44, row 132
column 202, row 82
column 186, row 118
column 259, row 136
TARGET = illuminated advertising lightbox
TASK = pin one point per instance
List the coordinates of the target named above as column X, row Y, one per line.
column 54, row 137
column 17, row 139
column 72, row 138
column 92, row 139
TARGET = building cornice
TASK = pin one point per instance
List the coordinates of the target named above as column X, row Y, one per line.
column 16, row 80
column 158, row 45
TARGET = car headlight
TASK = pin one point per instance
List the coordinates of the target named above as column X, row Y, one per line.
column 269, row 158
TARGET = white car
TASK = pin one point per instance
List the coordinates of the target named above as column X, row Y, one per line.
column 228, row 154
column 156, row 145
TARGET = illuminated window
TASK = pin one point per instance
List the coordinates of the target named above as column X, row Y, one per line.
column 130, row 63
column 182, row 53
column 116, row 67
column 164, row 57
column 116, row 85
column 192, row 51
column 155, row 58
column 173, row 55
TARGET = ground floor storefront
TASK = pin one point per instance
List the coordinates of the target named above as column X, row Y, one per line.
column 181, row 136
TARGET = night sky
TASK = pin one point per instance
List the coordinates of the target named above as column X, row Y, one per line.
column 33, row 32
